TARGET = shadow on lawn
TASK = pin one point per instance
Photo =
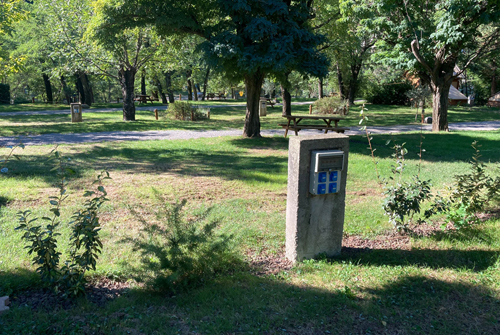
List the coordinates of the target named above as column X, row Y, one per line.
column 4, row 201
column 473, row 260
column 244, row 303
column 200, row 161
column 439, row 147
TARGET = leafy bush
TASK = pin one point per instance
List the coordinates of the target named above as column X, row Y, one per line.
column 470, row 194
column 4, row 94
column 404, row 199
column 178, row 252
column 330, row 105
column 391, row 93
column 182, row 110
column 84, row 242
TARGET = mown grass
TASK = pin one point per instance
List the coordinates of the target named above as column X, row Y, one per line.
column 221, row 118
column 445, row 284
column 38, row 106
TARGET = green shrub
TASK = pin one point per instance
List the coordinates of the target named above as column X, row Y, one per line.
column 330, row 105
column 470, row 194
column 404, row 199
column 84, row 242
column 391, row 93
column 4, row 94
column 182, row 110
column 178, row 252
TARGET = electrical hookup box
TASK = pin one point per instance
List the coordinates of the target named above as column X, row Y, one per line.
column 326, row 167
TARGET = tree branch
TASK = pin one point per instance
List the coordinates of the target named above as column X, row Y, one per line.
column 482, row 50
column 416, row 52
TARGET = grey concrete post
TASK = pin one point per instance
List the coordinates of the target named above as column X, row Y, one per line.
column 314, row 223
column 76, row 112
column 263, row 107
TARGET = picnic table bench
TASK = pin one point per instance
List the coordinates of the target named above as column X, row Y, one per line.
column 293, row 123
column 271, row 102
column 216, row 95
column 143, row 98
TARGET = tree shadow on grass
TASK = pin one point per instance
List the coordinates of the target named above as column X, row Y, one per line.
column 472, row 260
column 17, row 279
column 237, row 302
column 4, row 201
column 183, row 161
column 467, row 235
column 439, row 147
column 242, row 303
column 262, row 143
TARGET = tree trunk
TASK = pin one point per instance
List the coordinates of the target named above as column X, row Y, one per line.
column 83, row 87
column 189, row 84
column 287, row 101
column 440, row 106
column 66, row 90
column 195, row 92
column 494, row 82
column 320, row 88
column 253, row 85
column 143, row 84
column 205, row 84
column 160, row 91
column 127, row 79
column 341, row 83
column 79, row 88
column 353, row 85
column 90, row 90
column 168, row 88
column 48, row 88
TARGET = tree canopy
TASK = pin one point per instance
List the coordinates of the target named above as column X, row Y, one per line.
column 244, row 39
column 430, row 38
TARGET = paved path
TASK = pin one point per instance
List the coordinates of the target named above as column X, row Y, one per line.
column 103, row 110
column 188, row 134
column 141, row 108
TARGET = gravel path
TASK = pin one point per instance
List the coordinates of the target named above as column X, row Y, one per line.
column 188, row 134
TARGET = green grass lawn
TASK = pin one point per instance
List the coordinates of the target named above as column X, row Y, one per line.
column 438, row 283
column 22, row 107
column 221, row 118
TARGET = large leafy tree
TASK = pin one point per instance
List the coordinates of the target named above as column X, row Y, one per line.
column 244, row 39
column 349, row 47
column 11, row 12
column 430, row 38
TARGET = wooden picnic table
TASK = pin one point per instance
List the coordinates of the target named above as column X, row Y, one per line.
column 143, row 98
column 293, row 123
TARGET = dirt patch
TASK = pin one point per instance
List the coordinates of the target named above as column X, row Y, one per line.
column 491, row 214
column 268, row 264
column 390, row 241
column 265, row 264
column 98, row 292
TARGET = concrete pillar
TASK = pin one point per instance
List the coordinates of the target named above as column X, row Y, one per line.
column 76, row 112
column 314, row 223
column 263, row 107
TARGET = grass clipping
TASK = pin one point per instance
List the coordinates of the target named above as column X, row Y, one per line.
column 179, row 253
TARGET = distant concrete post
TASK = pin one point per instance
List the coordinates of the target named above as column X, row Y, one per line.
column 76, row 112
column 263, row 107
column 314, row 223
